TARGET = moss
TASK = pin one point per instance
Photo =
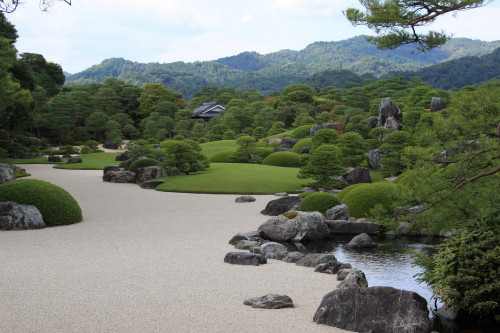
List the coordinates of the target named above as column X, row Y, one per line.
column 221, row 156
column 283, row 159
column 364, row 197
column 290, row 214
column 55, row 204
column 318, row 202
column 145, row 162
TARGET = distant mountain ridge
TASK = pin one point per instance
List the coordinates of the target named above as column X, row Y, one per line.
column 274, row 71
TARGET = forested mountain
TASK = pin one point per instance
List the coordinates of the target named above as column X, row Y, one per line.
column 274, row 71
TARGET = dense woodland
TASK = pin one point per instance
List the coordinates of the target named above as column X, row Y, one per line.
column 447, row 161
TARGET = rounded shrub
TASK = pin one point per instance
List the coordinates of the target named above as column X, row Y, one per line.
column 318, row 202
column 264, row 152
column 145, row 162
column 301, row 132
column 346, row 190
column 85, row 150
column 364, row 197
column 297, row 148
column 283, row 159
column 223, row 156
column 55, row 204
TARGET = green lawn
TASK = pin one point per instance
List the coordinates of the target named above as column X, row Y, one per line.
column 210, row 148
column 95, row 161
column 236, row 178
column 38, row 160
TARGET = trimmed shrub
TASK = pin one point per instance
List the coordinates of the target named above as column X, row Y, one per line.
column 283, row 159
column 318, row 202
column 221, row 156
column 305, row 194
column 264, row 152
column 55, row 204
column 85, row 150
column 301, row 132
column 145, row 162
column 346, row 190
column 364, row 197
column 297, row 148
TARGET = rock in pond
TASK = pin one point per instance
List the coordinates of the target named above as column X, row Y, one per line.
column 314, row 259
column 244, row 258
column 375, row 309
column 362, row 241
column 332, row 267
column 270, row 301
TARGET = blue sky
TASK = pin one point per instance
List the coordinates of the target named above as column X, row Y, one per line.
column 89, row 31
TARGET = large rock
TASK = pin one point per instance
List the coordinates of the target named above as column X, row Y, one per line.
column 362, row 241
column 149, row 172
column 304, row 226
column 282, row 205
column 372, row 122
column 332, row 267
column 244, row 258
column 15, row 216
column 316, row 128
column 6, row 173
column 339, row 212
column 393, row 125
column 151, row 184
column 289, row 143
column 437, row 104
column 111, row 168
column 244, row 198
column 73, row 160
column 375, row 309
column 119, row 177
column 314, row 259
column 342, row 227
column 273, row 250
column 342, row 273
column 388, row 109
column 357, row 175
column 123, row 156
column 110, row 145
column 356, row 279
column 293, row 257
column 373, row 158
column 251, row 236
column 270, row 301
column 281, row 149
column 54, row 159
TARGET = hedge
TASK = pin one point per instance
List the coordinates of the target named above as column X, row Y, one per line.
column 283, row 159
column 364, row 197
column 318, row 202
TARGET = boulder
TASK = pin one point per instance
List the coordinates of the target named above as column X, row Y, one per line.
column 332, row 267
column 289, row 143
column 373, row 158
column 149, row 172
column 151, row 184
column 244, row 258
column 108, row 144
column 6, row 173
column 270, row 301
column 316, row 128
column 355, row 279
column 273, row 250
column 372, row 122
column 245, row 198
column 111, row 168
column 387, row 109
column 119, row 177
column 375, row 309
column 247, row 245
column 393, row 125
column 339, row 212
column 304, row 226
column 342, row 227
column 251, row 235
column 73, row 160
column 123, row 156
column 361, row 241
column 279, row 148
column 15, row 216
column 282, row 205
column 54, row 159
column 314, row 259
column 437, row 104
column 357, row 175
column 342, row 273
column 293, row 257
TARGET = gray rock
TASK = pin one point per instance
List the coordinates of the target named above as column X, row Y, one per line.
column 387, row 109
column 128, row 163
column 119, row 177
column 372, row 122
column 6, row 173
column 273, row 250
column 361, row 241
column 293, row 257
column 342, row 273
column 149, row 172
column 282, row 205
column 393, row 125
column 15, row 216
column 151, row 184
column 357, row 175
column 246, row 244
column 273, row 140
column 416, row 209
column 281, row 194
column 342, row 227
column 437, row 104
column 74, row 160
column 403, row 228
column 108, row 144
column 316, row 128
column 244, row 198
column 244, row 258
column 332, row 267
column 304, row 226
column 111, row 168
column 373, row 158
column 375, row 309
column 355, row 279
column 251, row 235
column 54, row 159
column 279, row 148
column 270, row 301
column 339, row 212
column 289, row 143
column 314, row 259
column 123, row 156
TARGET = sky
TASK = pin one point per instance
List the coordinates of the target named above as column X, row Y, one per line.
column 90, row 31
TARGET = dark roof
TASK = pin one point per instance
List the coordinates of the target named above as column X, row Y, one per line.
column 208, row 110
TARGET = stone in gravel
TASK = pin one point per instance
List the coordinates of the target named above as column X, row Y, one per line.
column 244, row 258
column 270, row 301
column 245, row 198
column 15, row 216
column 293, row 257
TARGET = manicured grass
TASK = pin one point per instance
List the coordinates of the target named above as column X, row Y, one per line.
column 213, row 147
column 236, row 178
column 94, row 161
column 38, row 160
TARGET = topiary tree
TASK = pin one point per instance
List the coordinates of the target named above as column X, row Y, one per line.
column 324, row 137
column 323, row 164
column 223, row 156
column 92, row 144
column 366, row 196
column 394, row 144
column 245, row 153
column 318, row 202
column 184, row 155
column 283, row 159
column 353, row 148
column 55, row 204
column 276, row 128
column 301, row 132
column 145, row 162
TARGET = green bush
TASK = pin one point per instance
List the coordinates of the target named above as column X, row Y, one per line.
column 92, row 144
column 297, row 148
column 264, row 152
column 318, row 202
column 301, row 132
column 283, row 159
column 364, row 197
column 53, row 152
column 346, row 190
column 145, row 162
column 85, row 150
column 223, row 156
column 55, row 204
